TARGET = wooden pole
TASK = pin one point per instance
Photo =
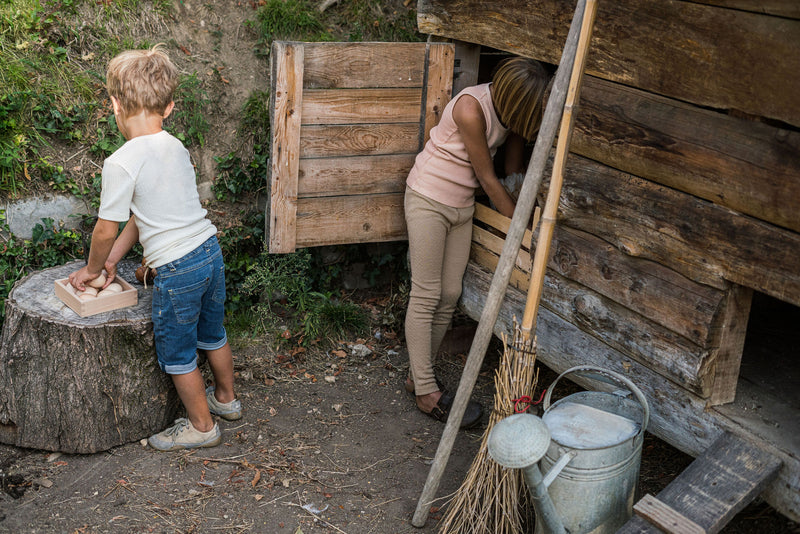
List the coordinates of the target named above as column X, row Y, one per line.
column 494, row 298
column 556, row 181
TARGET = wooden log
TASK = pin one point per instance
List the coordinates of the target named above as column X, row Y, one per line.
column 677, row 416
column 748, row 166
column 79, row 385
column 704, row 242
column 714, row 57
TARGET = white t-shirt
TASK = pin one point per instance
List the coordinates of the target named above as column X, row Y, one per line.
column 152, row 177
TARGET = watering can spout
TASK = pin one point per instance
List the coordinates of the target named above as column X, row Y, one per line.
column 519, row 442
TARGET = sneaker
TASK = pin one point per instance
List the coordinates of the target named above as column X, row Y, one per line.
column 227, row 410
column 182, row 435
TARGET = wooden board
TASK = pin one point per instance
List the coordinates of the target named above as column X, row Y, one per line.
column 714, row 488
column 747, row 166
column 714, row 57
column 704, row 242
column 286, row 97
column 348, row 121
column 379, row 219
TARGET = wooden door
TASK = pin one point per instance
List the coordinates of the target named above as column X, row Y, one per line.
column 347, row 121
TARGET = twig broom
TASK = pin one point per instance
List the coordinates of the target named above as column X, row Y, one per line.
column 490, row 499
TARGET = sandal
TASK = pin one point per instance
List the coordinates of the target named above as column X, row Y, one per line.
column 472, row 413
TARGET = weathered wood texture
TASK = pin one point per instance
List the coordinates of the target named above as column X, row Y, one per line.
column 714, row 488
column 747, row 166
column 703, row 241
column 677, row 415
column 707, row 55
column 689, row 332
column 348, row 121
column 79, row 385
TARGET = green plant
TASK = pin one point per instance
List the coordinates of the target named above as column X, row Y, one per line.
column 241, row 244
column 49, row 245
column 288, row 300
column 191, row 99
column 288, row 19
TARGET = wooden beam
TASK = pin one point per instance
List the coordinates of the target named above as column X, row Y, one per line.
column 380, row 218
column 285, row 104
column 665, row 517
column 355, row 106
column 716, row 486
column 747, row 166
column 439, row 85
column 719, row 58
column 358, row 140
column 357, row 175
column 704, row 242
column 359, row 65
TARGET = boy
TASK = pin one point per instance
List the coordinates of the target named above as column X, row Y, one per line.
column 150, row 183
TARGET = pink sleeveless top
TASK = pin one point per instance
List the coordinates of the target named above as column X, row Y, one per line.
column 442, row 171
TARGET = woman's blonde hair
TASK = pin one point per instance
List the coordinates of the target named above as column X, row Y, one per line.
column 142, row 79
column 518, row 89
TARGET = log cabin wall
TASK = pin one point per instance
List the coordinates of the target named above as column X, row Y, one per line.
column 680, row 196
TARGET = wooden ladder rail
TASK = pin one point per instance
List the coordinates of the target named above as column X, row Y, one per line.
column 715, row 487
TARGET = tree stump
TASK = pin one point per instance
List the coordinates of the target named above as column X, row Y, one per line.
column 79, row 384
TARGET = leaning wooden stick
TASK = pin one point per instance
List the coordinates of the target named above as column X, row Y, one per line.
column 556, row 181
column 494, row 297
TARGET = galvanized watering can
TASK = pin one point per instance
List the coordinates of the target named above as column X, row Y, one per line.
column 590, row 446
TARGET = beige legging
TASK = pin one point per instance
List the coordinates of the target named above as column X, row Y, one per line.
column 439, row 239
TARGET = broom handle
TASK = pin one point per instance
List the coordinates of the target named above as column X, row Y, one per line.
column 497, row 290
column 554, row 193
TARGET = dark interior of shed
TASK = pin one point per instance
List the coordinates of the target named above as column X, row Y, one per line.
column 770, row 359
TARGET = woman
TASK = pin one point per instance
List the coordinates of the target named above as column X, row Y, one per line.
column 440, row 201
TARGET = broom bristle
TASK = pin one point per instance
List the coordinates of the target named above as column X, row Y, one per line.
column 492, row 499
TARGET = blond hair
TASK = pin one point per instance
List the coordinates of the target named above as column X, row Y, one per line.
column 142, row 79
column 518, row 89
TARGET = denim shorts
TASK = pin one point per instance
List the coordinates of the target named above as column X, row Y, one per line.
column 189, row 307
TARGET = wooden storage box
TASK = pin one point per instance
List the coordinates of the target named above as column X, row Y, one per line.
column 129, row 296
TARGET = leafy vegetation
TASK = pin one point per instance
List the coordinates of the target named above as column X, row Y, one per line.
column 288, row 303
column 50, row 245
column 53, row 55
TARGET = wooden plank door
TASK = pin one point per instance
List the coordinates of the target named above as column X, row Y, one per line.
column 347, row 121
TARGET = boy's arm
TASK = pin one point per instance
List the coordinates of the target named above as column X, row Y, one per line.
column 103, row 236
column 127, row 238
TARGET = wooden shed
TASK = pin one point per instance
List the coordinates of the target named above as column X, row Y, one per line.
column 680, row 212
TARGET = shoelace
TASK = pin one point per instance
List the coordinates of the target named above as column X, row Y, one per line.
column 180, row 425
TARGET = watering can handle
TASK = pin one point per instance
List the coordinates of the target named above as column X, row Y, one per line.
column 604, row 373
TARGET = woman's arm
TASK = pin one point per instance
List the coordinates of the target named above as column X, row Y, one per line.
column 471, row 123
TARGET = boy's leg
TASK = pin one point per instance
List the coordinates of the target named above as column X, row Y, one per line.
column 191, row 390
column 221, row 363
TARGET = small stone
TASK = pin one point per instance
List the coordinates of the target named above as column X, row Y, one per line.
column 330, row 379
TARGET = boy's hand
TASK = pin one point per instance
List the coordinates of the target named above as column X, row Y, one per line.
column 111, row 272
column 79, row 278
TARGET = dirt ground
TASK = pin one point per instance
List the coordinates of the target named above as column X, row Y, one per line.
column 330, row 442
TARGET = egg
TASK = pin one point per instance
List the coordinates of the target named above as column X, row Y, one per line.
column 114, row 287
column 87, row 296
column 97, row 282
column 89, row 291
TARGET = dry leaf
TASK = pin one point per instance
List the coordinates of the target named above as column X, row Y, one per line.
column 256, row 478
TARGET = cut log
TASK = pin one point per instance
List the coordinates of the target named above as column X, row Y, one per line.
column 79, row 384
